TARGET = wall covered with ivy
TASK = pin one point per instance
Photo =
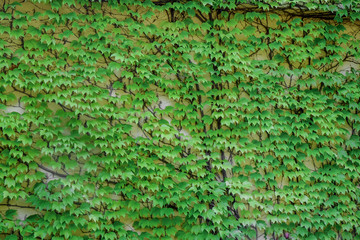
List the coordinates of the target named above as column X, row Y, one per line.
column 163, row 119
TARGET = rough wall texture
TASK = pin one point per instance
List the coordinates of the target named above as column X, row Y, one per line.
column 184, row 120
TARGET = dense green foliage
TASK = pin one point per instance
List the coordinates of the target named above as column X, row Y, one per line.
column 179, row 120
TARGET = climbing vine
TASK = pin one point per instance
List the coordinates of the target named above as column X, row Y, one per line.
column 186, row 119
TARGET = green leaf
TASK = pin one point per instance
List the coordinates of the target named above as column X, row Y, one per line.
column 9, row 214
column 11, row 237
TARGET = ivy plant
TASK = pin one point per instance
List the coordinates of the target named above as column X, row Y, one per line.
column 191, row 119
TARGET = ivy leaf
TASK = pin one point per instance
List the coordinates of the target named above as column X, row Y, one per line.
column 11, row 237
column 9, row 214
column 147, row 15
column 249, row 30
